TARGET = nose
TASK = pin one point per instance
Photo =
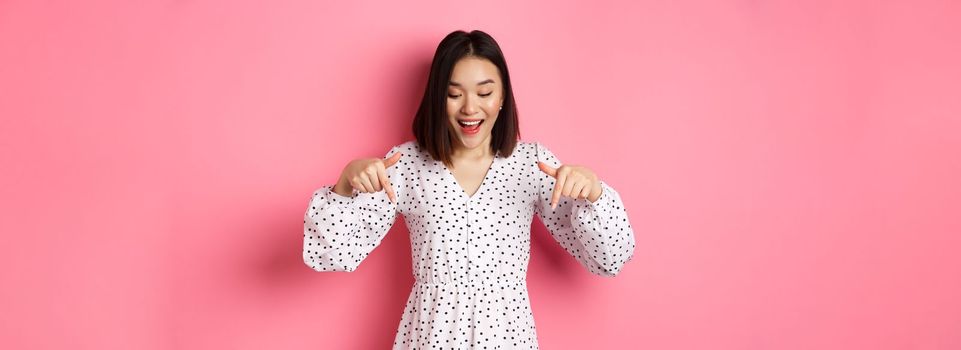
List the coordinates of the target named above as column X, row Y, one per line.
column 470, row 107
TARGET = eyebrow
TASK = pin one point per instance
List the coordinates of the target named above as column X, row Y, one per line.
column 488, row 81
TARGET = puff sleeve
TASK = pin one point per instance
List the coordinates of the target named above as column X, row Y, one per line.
column 598, row 234
column 340, row 231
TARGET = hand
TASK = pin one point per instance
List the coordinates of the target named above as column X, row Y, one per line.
column 572, row 181
column 368, row 175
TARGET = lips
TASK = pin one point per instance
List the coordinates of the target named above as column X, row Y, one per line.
column 470, row 126
column 469, row 122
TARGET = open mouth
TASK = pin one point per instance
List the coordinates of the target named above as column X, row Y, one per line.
column 470, row 126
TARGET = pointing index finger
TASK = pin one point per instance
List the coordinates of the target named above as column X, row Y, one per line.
column 385, row 183
column 547, row 169
column 392, row 160
column 558, row 187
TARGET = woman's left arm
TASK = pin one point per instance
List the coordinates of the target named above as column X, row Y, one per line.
column 584, row 214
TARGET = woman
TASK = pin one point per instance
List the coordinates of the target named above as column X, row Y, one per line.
column 468, row 189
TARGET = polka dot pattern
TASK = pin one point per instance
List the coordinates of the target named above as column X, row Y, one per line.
column 469, row 253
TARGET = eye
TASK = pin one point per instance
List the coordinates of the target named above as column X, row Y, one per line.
column 487, row 94
column 453, row 96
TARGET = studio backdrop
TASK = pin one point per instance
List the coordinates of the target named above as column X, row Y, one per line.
column 790, row 168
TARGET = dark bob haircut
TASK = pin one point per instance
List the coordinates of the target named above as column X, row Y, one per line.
column 431, row 127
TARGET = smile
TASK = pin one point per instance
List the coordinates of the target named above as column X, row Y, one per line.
column 470, row 127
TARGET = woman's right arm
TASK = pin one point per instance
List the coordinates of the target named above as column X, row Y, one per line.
column 341, row 231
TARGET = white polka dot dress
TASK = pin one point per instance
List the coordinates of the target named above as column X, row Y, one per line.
column 470, row 253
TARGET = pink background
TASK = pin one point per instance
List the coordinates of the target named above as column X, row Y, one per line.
column 791, row 168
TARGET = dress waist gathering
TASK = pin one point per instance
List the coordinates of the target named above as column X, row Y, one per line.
column 471, row 283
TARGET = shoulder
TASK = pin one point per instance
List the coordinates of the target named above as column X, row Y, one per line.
column 410, row 153
column 528, row 148
column 407, row 148
column 532, row 145
column 539, row 152
column 532, row 149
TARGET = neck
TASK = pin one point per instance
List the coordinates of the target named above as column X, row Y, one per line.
column 482, row 151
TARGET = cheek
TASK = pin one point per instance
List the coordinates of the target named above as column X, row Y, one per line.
column 452, row 109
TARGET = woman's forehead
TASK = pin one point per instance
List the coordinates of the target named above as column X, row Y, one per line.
column 473, row 72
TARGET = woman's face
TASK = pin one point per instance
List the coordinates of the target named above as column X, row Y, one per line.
column 474, row 94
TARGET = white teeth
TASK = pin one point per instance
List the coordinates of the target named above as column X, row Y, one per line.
column 470, row 123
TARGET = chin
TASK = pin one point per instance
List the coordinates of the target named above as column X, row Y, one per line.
column 473, row 141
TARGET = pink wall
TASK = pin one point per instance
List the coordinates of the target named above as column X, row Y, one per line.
column 791, row 168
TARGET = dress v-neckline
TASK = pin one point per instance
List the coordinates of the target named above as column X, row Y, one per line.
column 487, row 175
